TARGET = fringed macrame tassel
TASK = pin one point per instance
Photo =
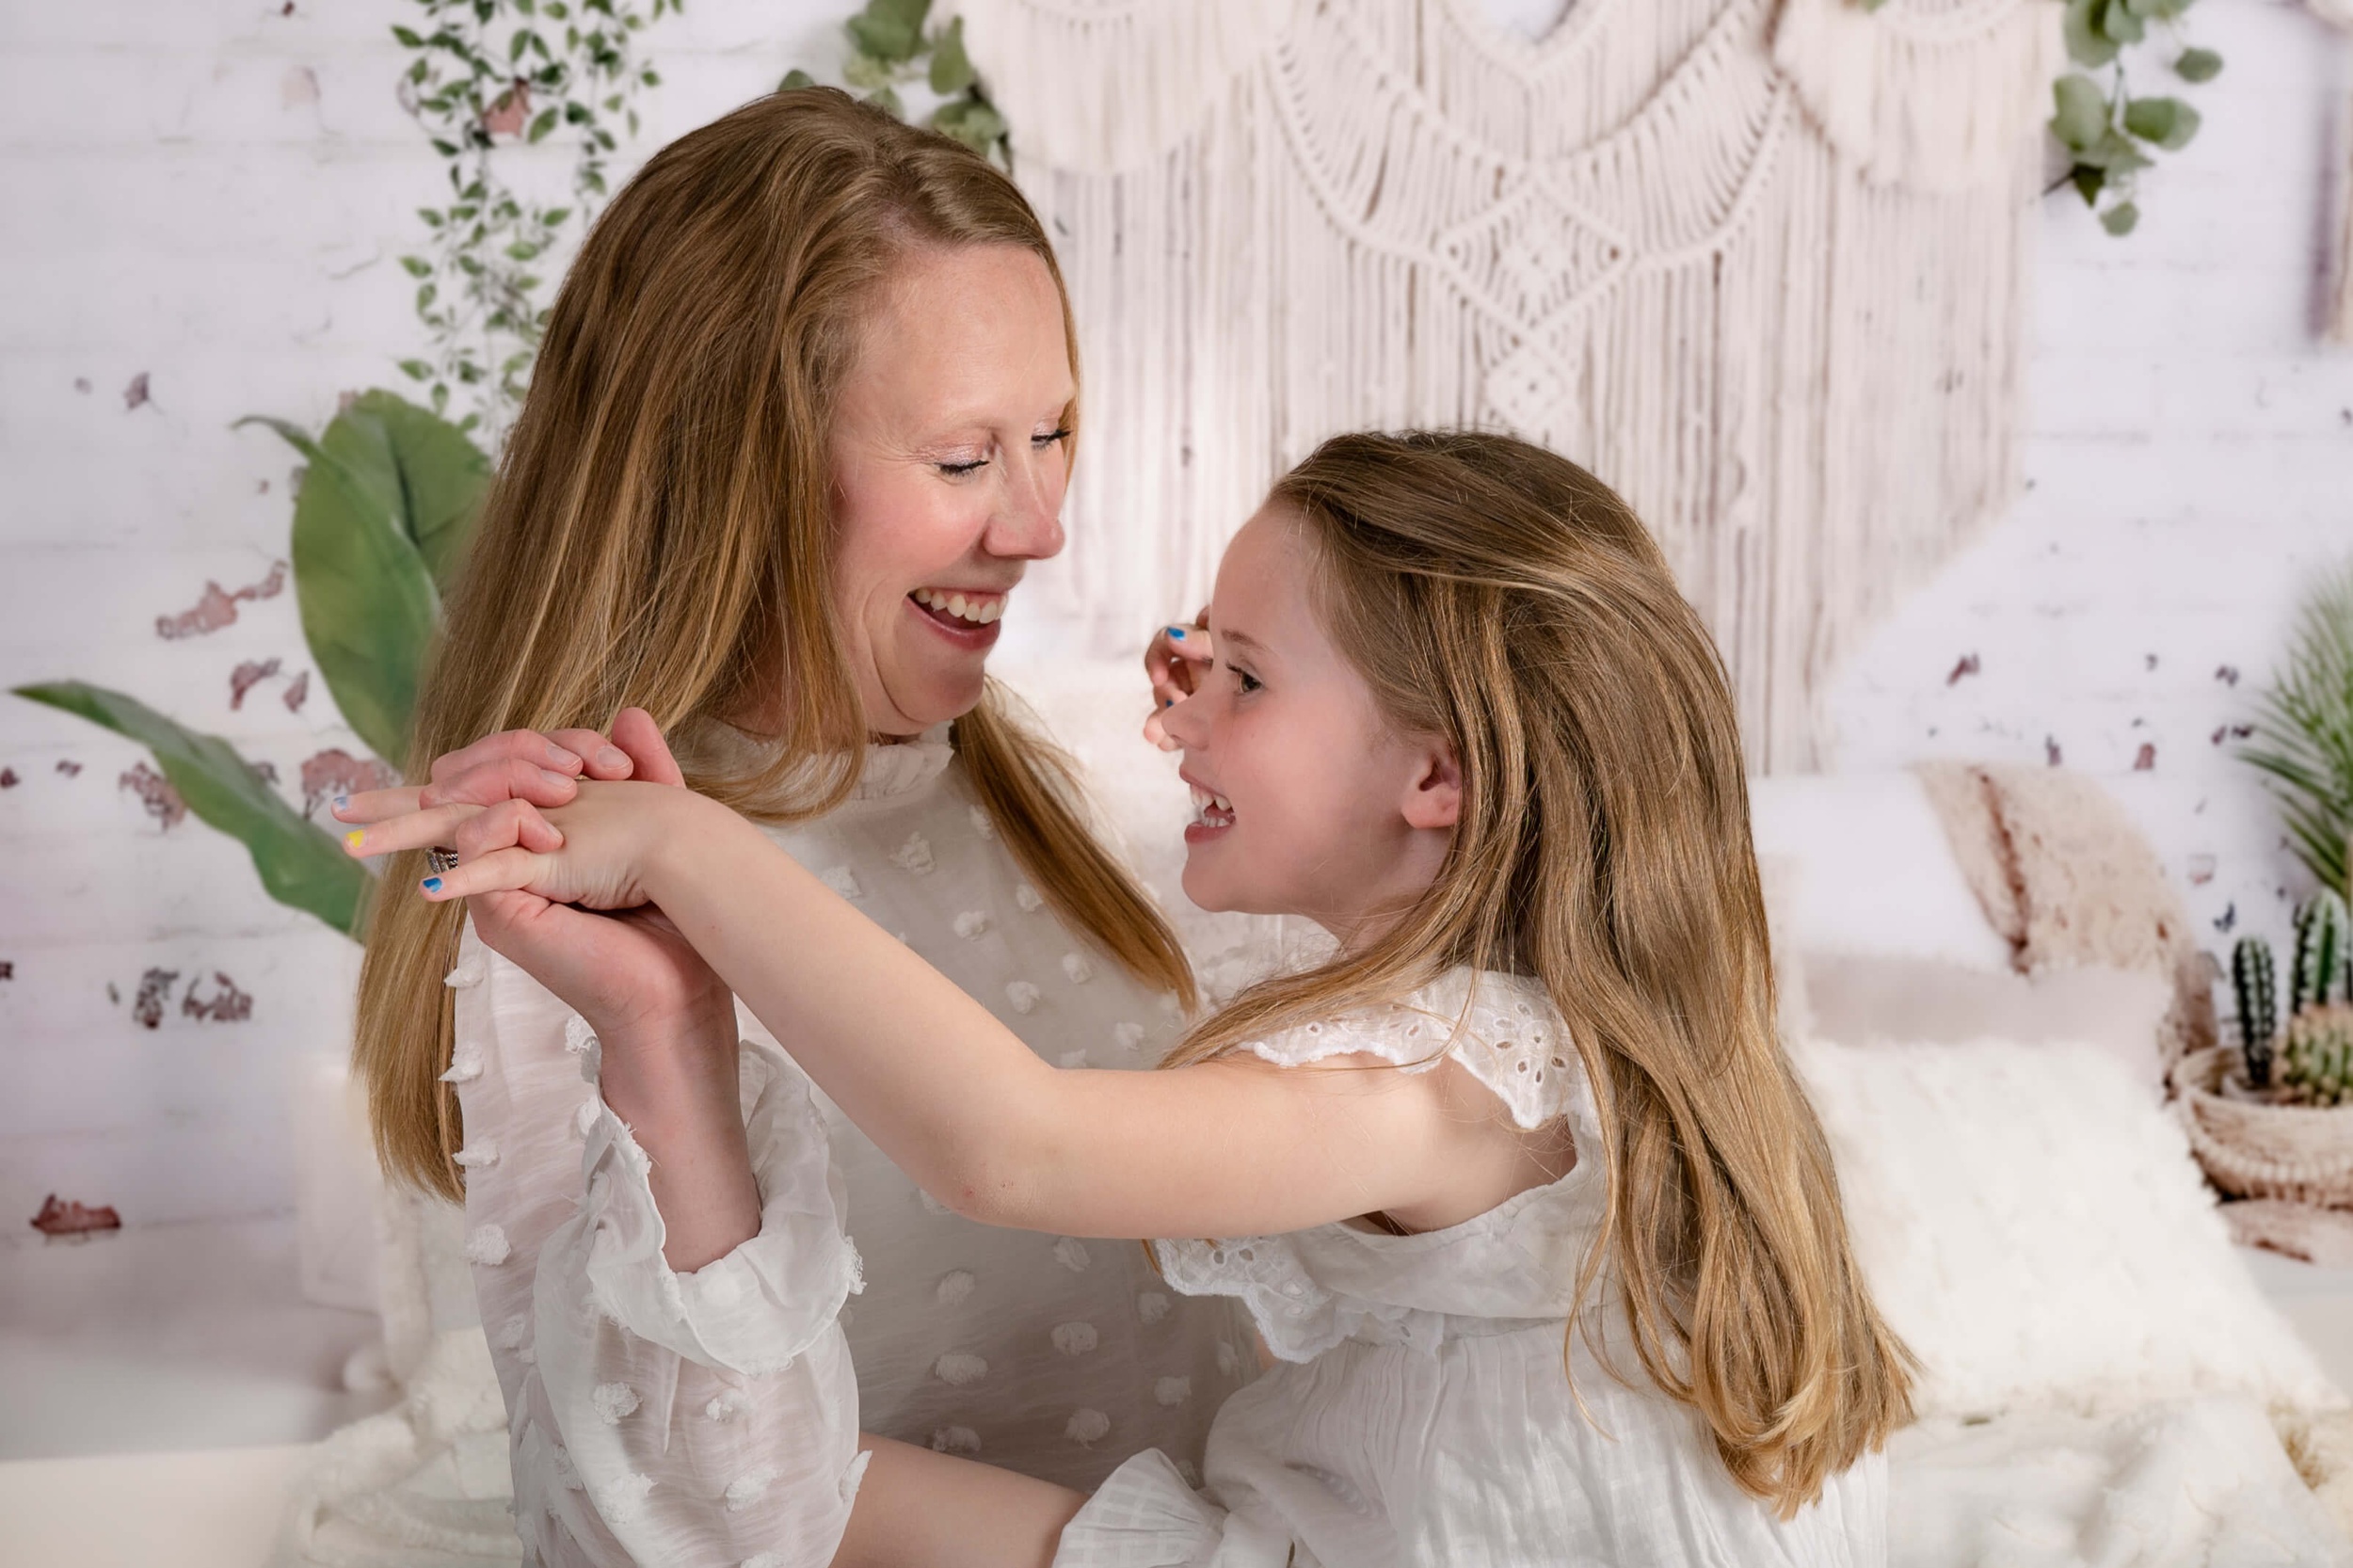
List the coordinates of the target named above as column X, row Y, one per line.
column 1096, row 86
column 1931, row 95
column 2340, row 325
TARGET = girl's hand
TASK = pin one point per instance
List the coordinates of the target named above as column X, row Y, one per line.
column 1175, row 662
column 628, row 974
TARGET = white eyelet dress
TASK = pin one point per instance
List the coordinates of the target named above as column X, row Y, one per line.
column 1419, row 1413
column 709, row 1419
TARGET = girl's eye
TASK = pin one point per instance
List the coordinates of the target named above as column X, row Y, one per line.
column 1247, row 681
column 1051, row 438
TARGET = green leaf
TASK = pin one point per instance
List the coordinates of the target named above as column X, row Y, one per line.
column 416, row 370
column 2119, row 23
column 541, row 124
column 2087, row 44
column 2082, row 116
column 890, row 30
column 951, row 68
column 2198, row 64
column 407, row 36
column 971, row 122
column 2116, row 152
column 301, row 865
column 2168, row 121
column 381, row 525
column 416, row 266
column 886, row 99
column 2121, row 219
column 2089, row 180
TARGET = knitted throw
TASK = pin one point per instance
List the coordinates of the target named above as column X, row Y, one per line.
column 1759, row 264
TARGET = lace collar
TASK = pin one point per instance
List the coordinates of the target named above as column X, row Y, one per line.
column 888, row 771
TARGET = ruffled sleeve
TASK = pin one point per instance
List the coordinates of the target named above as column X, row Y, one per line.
column 1502, row 1029
column 756, row 1309
column 700, row 1420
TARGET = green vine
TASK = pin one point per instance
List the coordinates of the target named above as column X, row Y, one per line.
column 489, row 77
column 889, row 50
column 2109, row 135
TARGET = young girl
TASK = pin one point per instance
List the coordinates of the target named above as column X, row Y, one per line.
column 1532, row 1219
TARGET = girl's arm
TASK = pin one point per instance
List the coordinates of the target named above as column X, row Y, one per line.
column 1231, row 1147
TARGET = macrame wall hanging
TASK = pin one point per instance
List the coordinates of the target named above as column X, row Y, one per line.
column 1759, row 264
column 2340, row 280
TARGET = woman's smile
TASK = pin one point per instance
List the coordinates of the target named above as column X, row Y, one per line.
column 966, row 618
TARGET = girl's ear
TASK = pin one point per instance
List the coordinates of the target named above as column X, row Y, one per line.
column 1435, row 799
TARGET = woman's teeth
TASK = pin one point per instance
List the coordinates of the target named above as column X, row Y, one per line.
column 978, row 609
column 1211, row 811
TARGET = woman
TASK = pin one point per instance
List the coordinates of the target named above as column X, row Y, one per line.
column 801, row 418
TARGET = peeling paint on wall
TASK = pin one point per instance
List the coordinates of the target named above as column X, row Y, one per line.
column 337, row 772
column 218, row 607
column 246, row 676
column 58, row 1220
column 298, row 692
column 226, row 1006
column 155, row 793
column 155, row 986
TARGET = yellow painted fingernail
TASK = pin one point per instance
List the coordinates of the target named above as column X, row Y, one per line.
column 351, row 839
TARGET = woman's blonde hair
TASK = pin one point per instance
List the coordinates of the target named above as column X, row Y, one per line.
column 1500, row 597
column 660, row 534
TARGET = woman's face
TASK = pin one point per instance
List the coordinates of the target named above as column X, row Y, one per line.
column 949, row 459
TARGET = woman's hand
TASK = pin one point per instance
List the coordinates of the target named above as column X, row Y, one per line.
column 1175, row 662
column 623, row 973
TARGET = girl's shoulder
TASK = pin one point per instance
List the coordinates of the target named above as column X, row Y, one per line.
column 1502, row 1029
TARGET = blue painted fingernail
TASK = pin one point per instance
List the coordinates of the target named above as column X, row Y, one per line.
column 432, row 884
column 1168, row 702
column 342, row 802
column 1176, row 633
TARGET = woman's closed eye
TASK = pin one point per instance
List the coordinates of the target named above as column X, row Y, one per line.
column 1040, row 442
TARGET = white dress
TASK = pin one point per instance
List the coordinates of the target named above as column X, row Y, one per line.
column 709, row 1419
column 1419, row 1412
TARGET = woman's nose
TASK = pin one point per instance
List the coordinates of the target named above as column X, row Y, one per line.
column 1027, row 525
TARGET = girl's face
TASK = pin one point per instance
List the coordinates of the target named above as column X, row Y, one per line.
column 949, row 459
column 1307, row 802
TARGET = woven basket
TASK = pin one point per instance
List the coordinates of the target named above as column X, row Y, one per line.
column 2254, row 1150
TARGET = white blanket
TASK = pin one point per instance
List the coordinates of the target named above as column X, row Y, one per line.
column 2200, row 1483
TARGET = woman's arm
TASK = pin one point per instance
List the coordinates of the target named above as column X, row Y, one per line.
column 1234, row 1147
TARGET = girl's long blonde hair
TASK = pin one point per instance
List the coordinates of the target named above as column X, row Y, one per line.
column 1500, row 596
column 660, row 534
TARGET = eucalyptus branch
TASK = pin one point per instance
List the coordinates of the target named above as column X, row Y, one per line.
column 486, row 79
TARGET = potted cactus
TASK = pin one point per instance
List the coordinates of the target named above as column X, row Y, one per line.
column 2270, row 1113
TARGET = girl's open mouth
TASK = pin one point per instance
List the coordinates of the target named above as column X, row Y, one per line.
column 1213, row 814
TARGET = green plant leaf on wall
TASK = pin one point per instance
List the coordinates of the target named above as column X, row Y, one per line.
column 2305, row 730
column 368, row 603
column 2167, row 121
column 951, row 68
column 2198, row 64
column 301, row 865
column 890, row 30
column 442, row 475
column 2081, row 116
column 2086, row 43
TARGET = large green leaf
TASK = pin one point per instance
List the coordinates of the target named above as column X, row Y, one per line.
column 301, row 864
column 387, row 510
column 441, row 474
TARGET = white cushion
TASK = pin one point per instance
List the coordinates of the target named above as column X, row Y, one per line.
column 1857, row 999
column 2037, row 1231
column 1877, row 874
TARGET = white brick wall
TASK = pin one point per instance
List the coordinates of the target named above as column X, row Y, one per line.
column 2189, row 457
column 211, row 193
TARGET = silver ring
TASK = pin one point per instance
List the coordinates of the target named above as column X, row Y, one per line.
column 441, row 859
